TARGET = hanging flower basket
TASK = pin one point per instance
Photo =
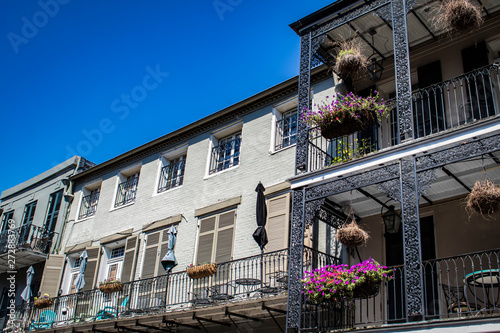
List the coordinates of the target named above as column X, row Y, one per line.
column 364, row 119
column 346, row 114
column 201, row 271
column 351, row 235
column 350, row 61
column 367, row 289
column 341, row 283
column 459, row 15
column 110, row 286
column 484, row 198
column 44, row 302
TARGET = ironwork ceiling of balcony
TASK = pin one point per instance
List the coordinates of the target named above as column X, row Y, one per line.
column 453, row 180
column 374, row 30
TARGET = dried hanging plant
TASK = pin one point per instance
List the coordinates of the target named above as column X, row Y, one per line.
column 350, row 60
column 484, row 198
column 459, row 15
column 351, row 235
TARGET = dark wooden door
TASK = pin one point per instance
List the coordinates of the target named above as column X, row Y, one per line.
column 395, row 257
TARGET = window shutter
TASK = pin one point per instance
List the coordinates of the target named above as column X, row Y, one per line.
column 52, row 275
column 129, row 259
column 151, row 255
column 278, row 221
column 206, row 240
column 224, row 249
column 90, row 275
column 163, row 250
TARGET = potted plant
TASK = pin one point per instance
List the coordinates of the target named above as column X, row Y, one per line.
column 484, row 198
column 43, row 301
column 346, row 114
column 350, row 61
column 339, row 283
column 110, row 285
column 351, row 235
column 458, row 15
column 200, row 271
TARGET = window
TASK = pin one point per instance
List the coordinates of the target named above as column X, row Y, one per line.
column 5, row 220
column 53, row 211
column 215, row 242
column 75, row 269
column 89, row 203
column 286, row 129
column 172, row 174
column 226, row 154
column 29, row 213
column 114, row 263
column 127, row 189
column 117, row 252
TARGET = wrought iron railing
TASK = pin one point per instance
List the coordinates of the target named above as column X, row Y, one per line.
column 89, row 205
column 249, row 278
column 464, row 286
column 171, row 176
column 126, row 192
column 225, row 155
column 28, row 236
column 453, row 103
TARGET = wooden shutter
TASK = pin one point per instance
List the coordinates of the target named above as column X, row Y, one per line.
column 163, row 250
column 93, row 259
column 225, row 233
column 206, row 240
column 52, row 275
column 151, row 255
column 129, row 259
column 278, row 221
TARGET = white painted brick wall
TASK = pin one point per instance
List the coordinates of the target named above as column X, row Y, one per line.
column 198, row 190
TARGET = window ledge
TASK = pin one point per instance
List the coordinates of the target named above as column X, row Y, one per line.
column 282, row 149
column 221, row 172
column 122, row 206
column 166, row 191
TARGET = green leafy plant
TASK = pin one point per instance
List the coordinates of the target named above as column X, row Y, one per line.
column 109, row 281
column 347, row 152
column 338, row 283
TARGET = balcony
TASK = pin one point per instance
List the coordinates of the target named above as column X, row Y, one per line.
column 254, row 290
column 29, row 244
column 250, row 289
column 89, row 205
column 442, row 108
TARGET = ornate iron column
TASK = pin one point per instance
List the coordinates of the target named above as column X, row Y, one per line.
column 304, row 101
column 402, row 67
column 294, row 301
column 411, row 238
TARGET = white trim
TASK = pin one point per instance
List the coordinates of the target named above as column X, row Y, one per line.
column 392, row 157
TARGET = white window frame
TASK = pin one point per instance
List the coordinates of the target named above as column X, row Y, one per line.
column 166, row 159
column 278, row 112
column 87, row 190
column 107, row 261
column 223, row 134
column 122, row 177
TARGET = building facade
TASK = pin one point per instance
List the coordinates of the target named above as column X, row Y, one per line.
column 33, row 216
column 193, row 193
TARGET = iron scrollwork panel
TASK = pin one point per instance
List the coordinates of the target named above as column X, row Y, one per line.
column 402, row 68
column 295, row 261
column 304, row 102
column 411, row 238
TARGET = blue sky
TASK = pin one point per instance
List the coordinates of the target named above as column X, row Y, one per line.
column 98, row 78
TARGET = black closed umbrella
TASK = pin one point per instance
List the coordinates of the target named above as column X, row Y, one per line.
column 260, row 234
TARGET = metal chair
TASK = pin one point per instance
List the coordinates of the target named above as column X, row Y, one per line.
column 456, row 300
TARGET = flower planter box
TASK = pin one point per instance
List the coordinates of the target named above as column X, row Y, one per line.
column 201, row 271
column 111, row 287
column 43, row 303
